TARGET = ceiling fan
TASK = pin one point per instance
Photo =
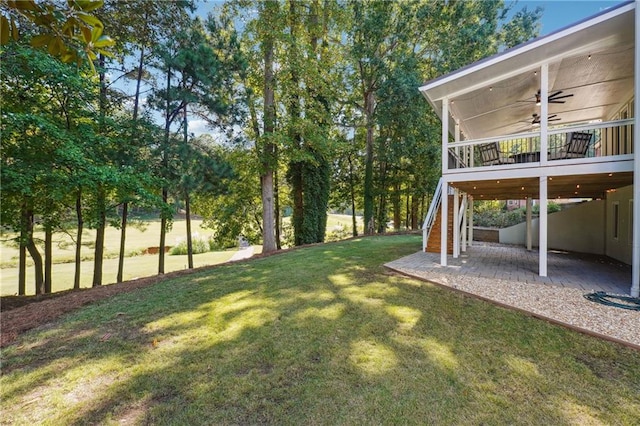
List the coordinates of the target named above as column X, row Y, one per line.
column 554, row 98
column 536, row 118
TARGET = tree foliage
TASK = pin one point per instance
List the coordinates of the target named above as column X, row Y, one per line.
column 312, row 105
column 69, row 30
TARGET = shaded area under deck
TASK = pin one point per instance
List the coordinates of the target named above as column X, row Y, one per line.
column 489, row 260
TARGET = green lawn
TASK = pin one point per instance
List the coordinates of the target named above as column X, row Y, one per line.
column 138, row 239
column 319, row 335
column 134, row 267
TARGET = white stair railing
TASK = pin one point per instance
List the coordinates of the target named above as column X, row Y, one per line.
column 430, row 218
column 460, row 235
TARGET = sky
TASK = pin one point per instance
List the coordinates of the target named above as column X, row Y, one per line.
column 561, row 13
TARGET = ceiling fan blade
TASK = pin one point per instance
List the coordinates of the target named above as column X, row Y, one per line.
column 536, row 118
column 553, row 95
column 555, row 98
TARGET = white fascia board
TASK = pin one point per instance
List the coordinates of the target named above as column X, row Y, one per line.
column 527, row 47
column 509, row 172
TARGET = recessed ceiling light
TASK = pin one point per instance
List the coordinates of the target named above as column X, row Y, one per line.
column 498, row 181
column 610, row 174
column 523, row 188
column 578, row 186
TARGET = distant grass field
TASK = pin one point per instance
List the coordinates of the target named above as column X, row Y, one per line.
column 322, row 335
column 138, row 239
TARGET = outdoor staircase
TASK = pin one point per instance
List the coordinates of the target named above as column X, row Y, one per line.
column 434, row 237
column 431, row 234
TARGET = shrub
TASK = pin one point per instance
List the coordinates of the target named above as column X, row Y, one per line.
column 493, row 214
column 198, row 244
column 337, row 234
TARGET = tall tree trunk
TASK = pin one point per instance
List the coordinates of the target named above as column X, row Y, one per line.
column 382, row 206
column 123, row 238
column 268, row 154
column 407, row 219
column 422, row 213
column 165, row 166
column 317, row 184
column 187, row 208
column 163, row 232
column 125, row 205
column 98, row 257
column 76, row 275
column 369, row 108
column 298, row 219
column 414, row 211
column 276, row 209
column 101, row 204
column 397, row 220
column 352, row 190
column 22, row 265
column 268, row 243
column 35, row 254
column 48, row 258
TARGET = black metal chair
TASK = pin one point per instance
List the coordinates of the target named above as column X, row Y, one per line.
column 490, row 155
column 576, row 147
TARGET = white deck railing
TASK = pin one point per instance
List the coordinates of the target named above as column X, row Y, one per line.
column 606, row 139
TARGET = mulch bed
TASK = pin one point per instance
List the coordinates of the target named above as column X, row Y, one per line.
column 21, row 313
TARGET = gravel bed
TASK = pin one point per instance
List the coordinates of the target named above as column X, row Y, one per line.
column 559, row 304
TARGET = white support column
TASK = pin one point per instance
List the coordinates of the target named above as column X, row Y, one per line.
column 635, row 257
column 543, row 227
column 544, row 113
column 470, row 233
column 456, row 138
column 445, row 137
column 444, row 206
column 463, row 238
column 529, row 228
column 456, row 221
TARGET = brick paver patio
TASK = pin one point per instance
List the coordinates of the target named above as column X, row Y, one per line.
column 488, row 260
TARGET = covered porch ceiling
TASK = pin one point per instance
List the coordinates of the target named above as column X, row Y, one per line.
column 592, row 61
column 570, row 186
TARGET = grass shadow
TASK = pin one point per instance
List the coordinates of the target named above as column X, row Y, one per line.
column 318, row 335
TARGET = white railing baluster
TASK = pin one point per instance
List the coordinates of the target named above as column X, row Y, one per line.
column 431, row 214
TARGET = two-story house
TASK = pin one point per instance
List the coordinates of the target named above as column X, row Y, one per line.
column 551, row 118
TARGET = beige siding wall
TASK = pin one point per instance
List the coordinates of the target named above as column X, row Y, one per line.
column 579, row 229
column 619, row 224
column 616, row 141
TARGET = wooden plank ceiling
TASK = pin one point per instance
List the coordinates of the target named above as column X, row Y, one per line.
column 573, row 186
